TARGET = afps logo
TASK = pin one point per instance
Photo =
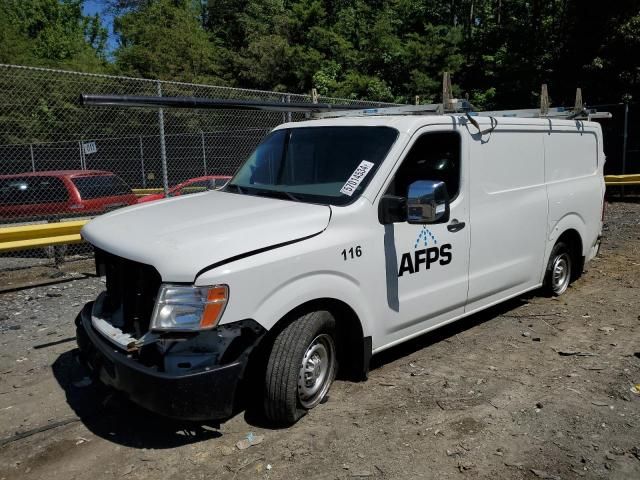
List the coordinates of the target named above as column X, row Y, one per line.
column 427, row 256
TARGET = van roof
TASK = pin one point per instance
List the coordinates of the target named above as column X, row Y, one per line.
column 409, row 123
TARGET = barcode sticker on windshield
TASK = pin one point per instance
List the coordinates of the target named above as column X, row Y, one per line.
column 356, row 177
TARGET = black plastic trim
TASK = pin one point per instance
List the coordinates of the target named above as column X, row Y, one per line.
column 367, row 350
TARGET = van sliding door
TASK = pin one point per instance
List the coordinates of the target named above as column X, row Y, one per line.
column 508, row 215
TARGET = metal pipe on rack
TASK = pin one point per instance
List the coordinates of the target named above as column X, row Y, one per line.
column 209, row 103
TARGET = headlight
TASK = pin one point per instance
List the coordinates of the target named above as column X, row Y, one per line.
column 189, row 308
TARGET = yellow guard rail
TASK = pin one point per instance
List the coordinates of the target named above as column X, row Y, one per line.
column 40, row 235
column 631, row 179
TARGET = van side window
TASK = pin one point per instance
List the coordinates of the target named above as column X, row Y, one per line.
column 434, row 156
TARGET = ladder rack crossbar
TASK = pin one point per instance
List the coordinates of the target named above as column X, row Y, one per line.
column 464, row 108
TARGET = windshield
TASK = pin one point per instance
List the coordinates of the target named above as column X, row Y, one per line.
column 330, row 165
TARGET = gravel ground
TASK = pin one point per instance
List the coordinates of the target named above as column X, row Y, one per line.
column 534, row 388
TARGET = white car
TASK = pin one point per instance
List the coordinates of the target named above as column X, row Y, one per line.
column 337, row 239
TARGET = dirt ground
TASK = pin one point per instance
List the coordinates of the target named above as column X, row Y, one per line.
column 535, row 388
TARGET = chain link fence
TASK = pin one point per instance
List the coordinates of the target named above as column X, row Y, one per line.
column 59, row 160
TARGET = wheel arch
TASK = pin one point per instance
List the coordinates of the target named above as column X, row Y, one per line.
column 573, row 239
column 354, row 348
column 568, row 223
column 572, row 229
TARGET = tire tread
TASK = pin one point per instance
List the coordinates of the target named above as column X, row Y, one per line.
column 281, row 404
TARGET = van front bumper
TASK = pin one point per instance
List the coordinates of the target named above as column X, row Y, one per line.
column 206, row 394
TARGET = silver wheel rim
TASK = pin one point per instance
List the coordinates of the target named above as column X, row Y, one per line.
column 316, row 371
column 560, row 273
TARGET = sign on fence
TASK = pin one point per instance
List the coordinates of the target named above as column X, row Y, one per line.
column 89, row 148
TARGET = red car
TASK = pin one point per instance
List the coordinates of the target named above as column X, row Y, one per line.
column 62, row 192
column 193, row 185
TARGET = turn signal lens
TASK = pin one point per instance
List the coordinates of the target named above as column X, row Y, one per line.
column 216, row 301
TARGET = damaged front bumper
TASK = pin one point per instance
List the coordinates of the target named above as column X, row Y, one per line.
column 193, row 377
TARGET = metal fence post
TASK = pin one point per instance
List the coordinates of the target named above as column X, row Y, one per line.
column 33, row 162
column 163, row 148
column 204, row 152
column 284, row 115
column 81, row 155
column 144, row 177
column 58, row 251
column 288, row 113
column 624, row 139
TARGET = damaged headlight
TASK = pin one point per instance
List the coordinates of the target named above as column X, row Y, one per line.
column 189, row 308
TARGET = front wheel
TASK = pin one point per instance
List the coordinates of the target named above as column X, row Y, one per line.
column 301, row 368
column 559, row 270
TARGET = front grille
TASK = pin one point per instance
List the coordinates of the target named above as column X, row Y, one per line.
column 132, row 288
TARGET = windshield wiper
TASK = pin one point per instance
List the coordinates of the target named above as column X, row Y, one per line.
column 276, row 194
column 238, row 188
column 265, row 192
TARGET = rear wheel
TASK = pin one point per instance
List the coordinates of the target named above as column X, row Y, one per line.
column 559, row 270
column 301, row 367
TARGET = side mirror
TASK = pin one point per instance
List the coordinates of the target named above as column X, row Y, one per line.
column 427, row 202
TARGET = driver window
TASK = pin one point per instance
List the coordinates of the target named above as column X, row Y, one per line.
column 265, row 161
column 434, row 156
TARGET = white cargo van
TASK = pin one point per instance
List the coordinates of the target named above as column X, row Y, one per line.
column 337, row 239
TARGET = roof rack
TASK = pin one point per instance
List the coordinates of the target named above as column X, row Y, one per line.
column 449, row 106
column 427, row 109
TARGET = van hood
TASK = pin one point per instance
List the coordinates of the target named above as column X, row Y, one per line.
column 184, row 235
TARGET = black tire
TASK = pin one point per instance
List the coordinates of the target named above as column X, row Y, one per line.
column 559, row 273
column 285, row 388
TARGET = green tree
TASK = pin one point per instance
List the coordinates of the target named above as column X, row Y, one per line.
column 498, row 51
column 51, row 33
column 165, row 39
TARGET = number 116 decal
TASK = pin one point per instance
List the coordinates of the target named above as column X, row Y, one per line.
column 351, row 253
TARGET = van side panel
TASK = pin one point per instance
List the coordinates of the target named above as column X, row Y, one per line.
column 573, row 172
column 508, row 215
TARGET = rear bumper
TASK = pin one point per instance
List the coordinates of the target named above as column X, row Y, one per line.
column 202, row 395
column 595, row 249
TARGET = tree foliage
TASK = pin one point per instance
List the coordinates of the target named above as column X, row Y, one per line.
column 165, row 39
column 498, row 51
column 51, row 33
